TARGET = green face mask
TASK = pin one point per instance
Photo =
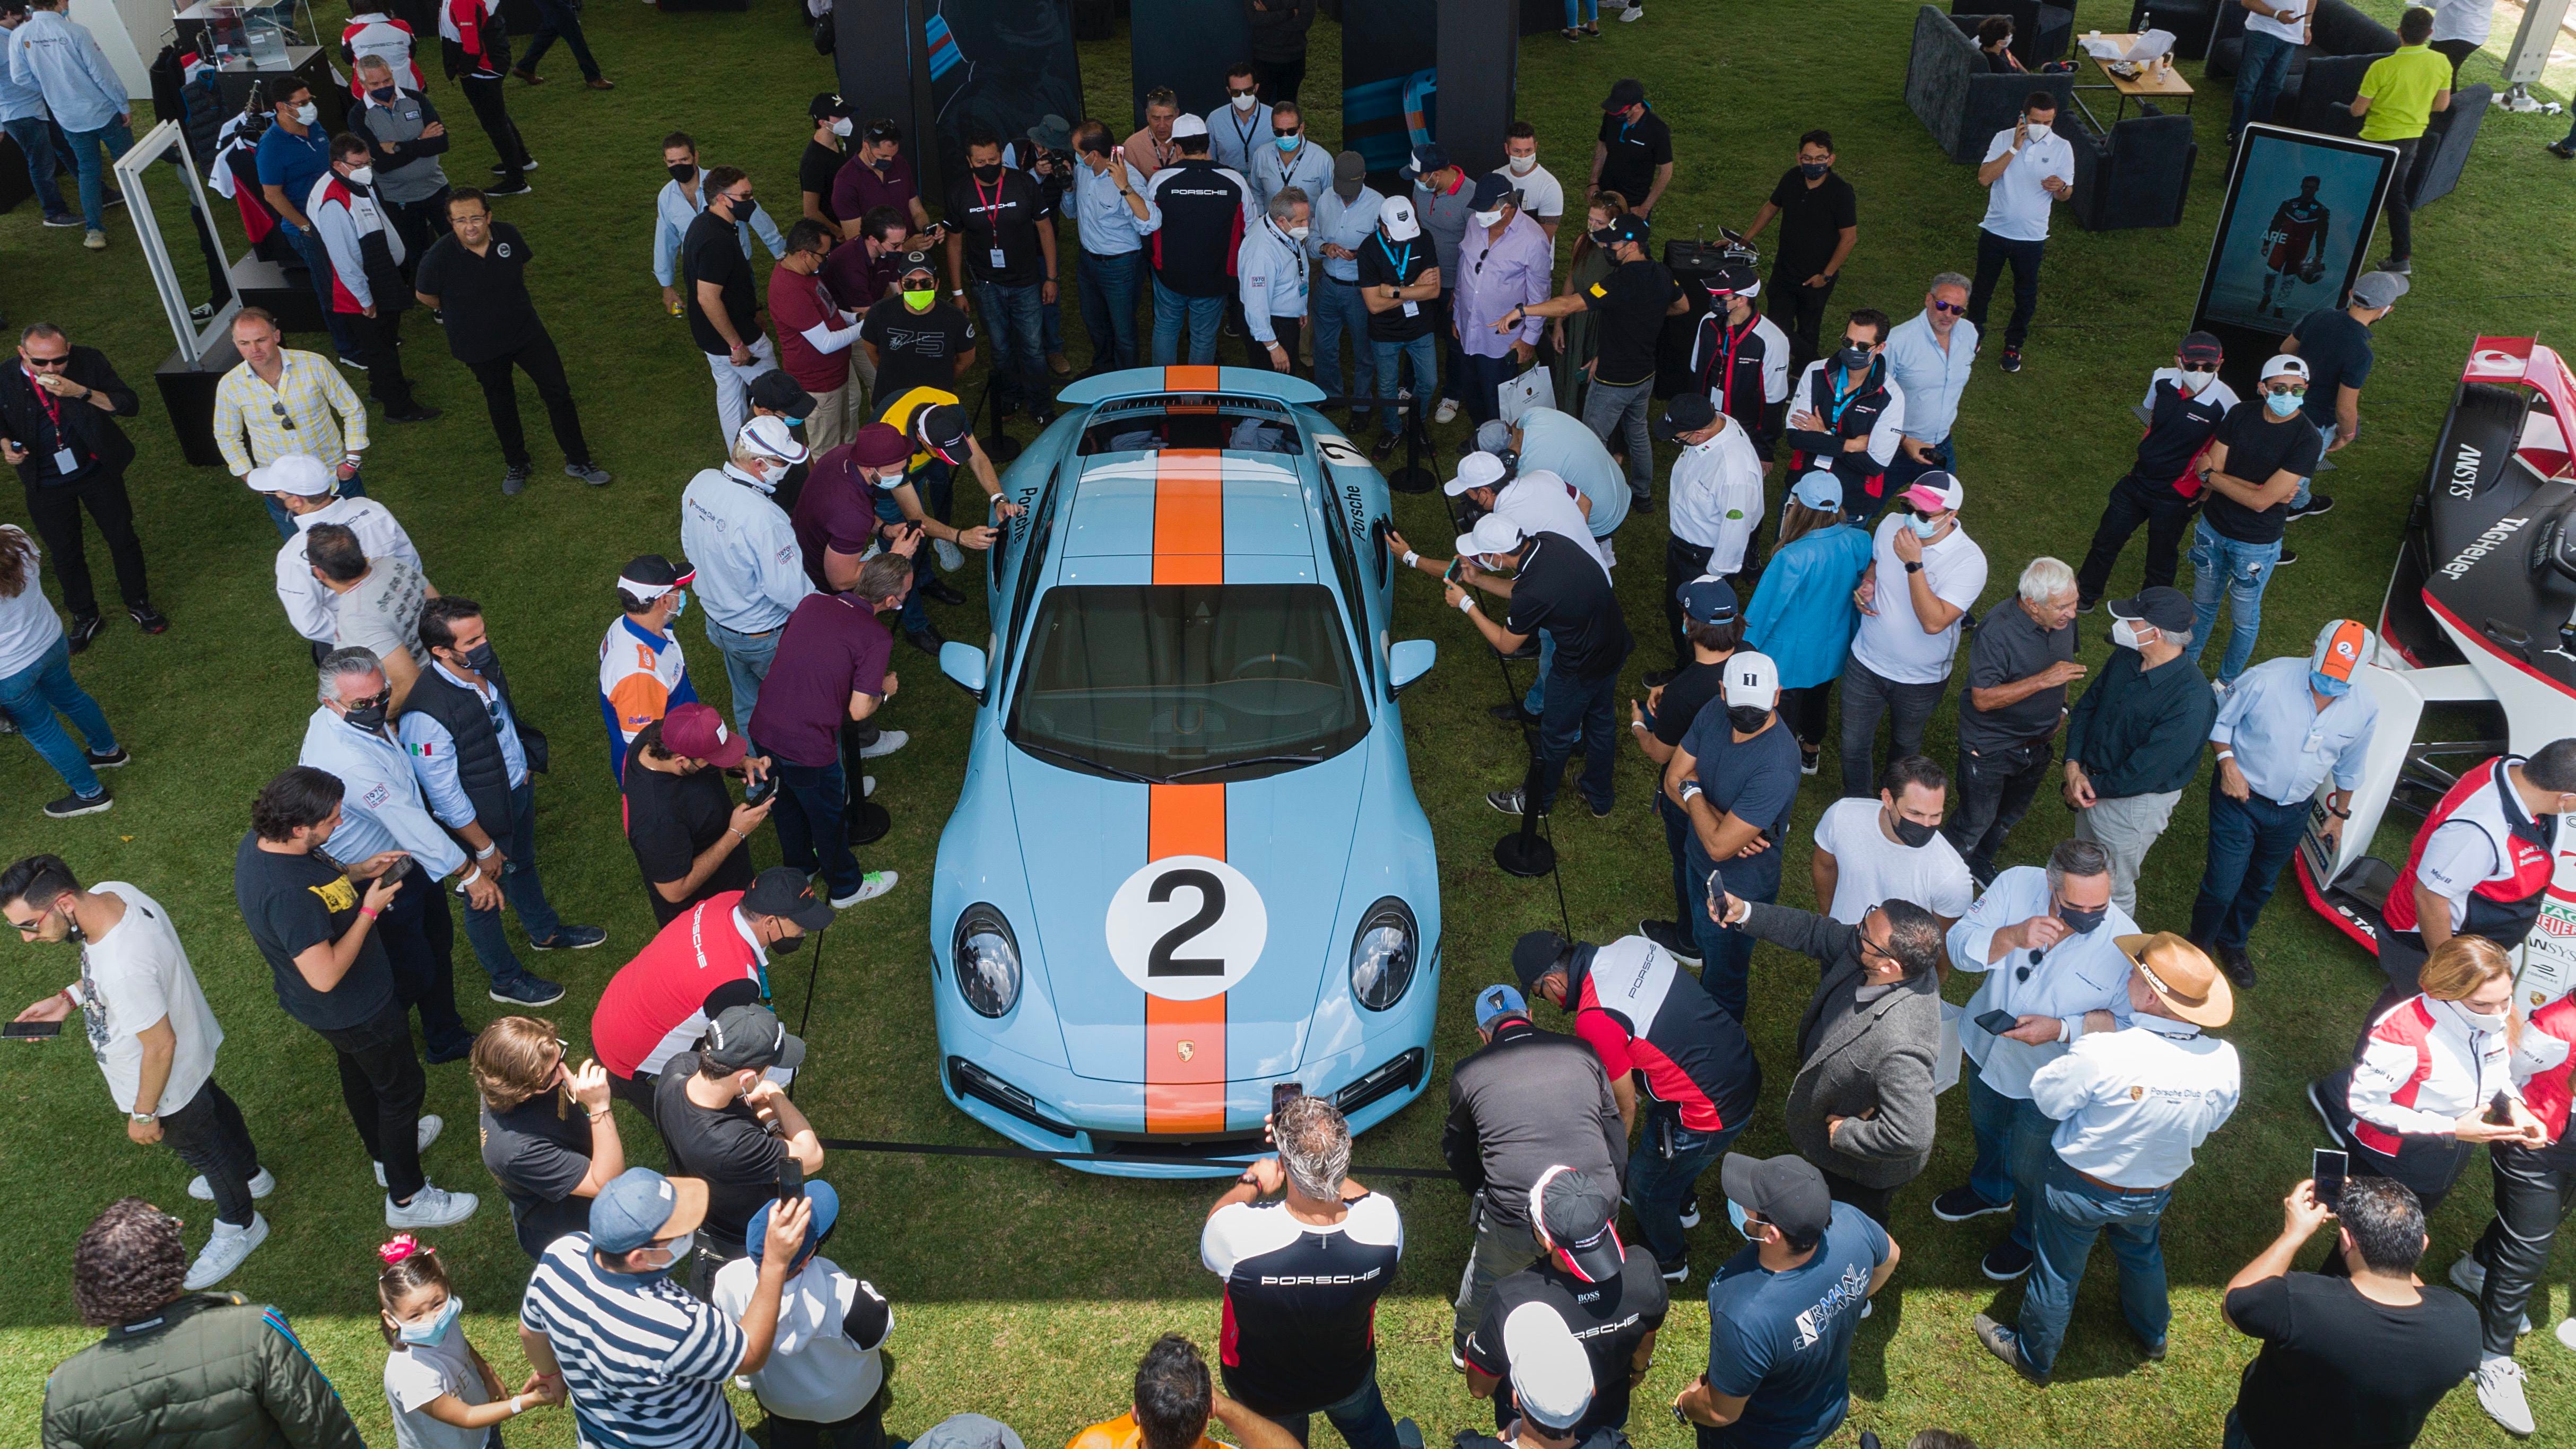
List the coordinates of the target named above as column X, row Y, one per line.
column 920, row 301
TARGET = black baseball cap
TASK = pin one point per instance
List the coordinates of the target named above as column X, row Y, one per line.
column 827, row 105
column 748, row 1038
column 1534, row 955
column 2168, row 609
column 783, row 891
column 1688, row 412
column 2203, row 347
column 1626, row 93
column 777, row 392
column 1574, row 1212
column 1786, row 1191
column 915, row 262
column 1630, row 228
column 945, row 430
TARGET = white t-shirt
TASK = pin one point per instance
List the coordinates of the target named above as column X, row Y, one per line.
column 136, row 975
column 1542, row 195
column 2017, row 205
column 1870, row 868
column 1541, row 502
column 1892, row 642
column 2293, row 30
column 416, row 1373
column 2460, row 20
column 2456, row 861
column 816, row 1371
column 28, row 624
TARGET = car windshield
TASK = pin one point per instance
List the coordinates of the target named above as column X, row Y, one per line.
column 1203, row 682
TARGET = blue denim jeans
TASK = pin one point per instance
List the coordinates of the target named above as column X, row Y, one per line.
column 2325, row 439
column 1591, row 12
column 1108, row 295
column 2259, row 73
column 1336, row 308
column 1536, row 699
column 1203, row 314
column 558, row 18
column 1011, row 321
column 746, row 661
column 2072, row 1213
column 1617, row 416
column 1690, row 901
column 1725, row 955
column 35, row 138
column 520, row 887
column 353, row 486
column 2223, row 569
column 2012, row 1137
column 115, row 137
column 1658, row 1185
column 33, row 695
column 1392, row 357
column 812, row 820
column 1578, row 709
column 2250, row 840
column 1361, row 1418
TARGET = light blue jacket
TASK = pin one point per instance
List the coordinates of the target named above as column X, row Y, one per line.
column 1802, row 613
column 673, row 210
column 18, row 102
column 63, row 60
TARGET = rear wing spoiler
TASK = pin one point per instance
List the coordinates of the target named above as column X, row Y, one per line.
column 1197, row 383
column 2520, row 360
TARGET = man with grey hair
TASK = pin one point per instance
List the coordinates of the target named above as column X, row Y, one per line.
column 382, row 810
column 2020, row 661
column 1303, row 1272
column 408, row 138
column 1929, row 355
column 2133, row 741
column 1270, row 278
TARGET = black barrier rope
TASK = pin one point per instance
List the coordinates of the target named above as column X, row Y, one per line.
column 941, row 1149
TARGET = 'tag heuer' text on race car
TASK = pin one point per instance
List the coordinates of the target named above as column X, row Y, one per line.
column 2480, row 617
column 1187, row 864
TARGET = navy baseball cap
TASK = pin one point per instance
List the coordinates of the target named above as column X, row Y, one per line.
column 1491, row 191
column 1708, row 599
column 1574, row 1212
column 827, row 1211
column 641, row 1206
column 1427, row 158
column 1630, row 228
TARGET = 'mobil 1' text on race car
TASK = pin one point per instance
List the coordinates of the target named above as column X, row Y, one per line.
column 1186, row 864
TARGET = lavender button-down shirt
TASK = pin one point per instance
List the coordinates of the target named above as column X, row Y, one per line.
column 1496, row 276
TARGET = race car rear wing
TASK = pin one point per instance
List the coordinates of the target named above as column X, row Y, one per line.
column 2544, row 445
column 1191, row 382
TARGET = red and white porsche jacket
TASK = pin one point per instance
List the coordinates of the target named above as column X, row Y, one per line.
column 2542, row 1061
column 2423, row 1068
column 373, row 32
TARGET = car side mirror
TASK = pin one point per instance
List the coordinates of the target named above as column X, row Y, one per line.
column 963, row 663
column 1408, row 661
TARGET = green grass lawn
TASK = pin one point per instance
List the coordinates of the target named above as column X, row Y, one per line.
column 1024, row 1291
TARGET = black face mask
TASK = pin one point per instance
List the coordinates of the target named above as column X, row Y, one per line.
column 787, row 946
column 1914, row 834
column 2081, row 922
column 1850, row 358
column 383, row 97
column 1813, row 169
column 989, row 173
column 481, row 658
column 368, row 717
column 1744, row 719
column 682, row 172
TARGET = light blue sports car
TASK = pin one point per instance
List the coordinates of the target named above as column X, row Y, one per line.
column 1186, row 865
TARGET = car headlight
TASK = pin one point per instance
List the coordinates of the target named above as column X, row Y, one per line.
column 1382, row 955
column 987, row 960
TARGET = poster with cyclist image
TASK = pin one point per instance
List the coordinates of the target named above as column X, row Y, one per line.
column 2296, row 227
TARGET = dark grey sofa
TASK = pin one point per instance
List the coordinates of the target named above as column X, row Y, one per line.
column 2136, row 175
column 1947, row 91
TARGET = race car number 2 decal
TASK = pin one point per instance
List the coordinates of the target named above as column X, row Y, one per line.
column 1187, row 927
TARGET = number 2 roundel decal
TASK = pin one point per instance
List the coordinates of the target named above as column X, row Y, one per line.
column 1187, row 927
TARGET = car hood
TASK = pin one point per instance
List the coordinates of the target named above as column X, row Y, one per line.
column 1287, row 837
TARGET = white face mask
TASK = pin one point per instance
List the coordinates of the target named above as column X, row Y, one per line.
column 2124, row 633
column 2483, row 1021
column 2039, row 130
column 1523, row 165
column 1298, row 233
column 305, row 114
column 363, row 175
column 841, row 126
column 1487, row 218
column 2197, row 383
column 1245, row 103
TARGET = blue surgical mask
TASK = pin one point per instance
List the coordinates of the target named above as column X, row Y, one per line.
column 679, row 605
column 1287, row 143
column 2326, row 684
column 1735, row 1215
column 2282, row 404
column 430, row 1334
column 1923, row 527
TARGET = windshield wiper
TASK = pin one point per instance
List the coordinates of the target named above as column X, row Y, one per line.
column 1087, row 762
column 1237, row 764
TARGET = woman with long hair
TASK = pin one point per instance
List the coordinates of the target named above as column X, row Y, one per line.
column 36, row 682
column 1574, row 337
column 1802, row 613
column 549, row 1137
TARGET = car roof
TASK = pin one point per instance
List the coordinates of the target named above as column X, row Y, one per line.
column 1190, row 510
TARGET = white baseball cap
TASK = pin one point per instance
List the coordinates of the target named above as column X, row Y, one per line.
column 301, row 474
column 1396, row 215
column 1186, row 124
column 1493, row 534
column 1935, row 492
column 768, row 436
column 1752, row 680
column 2286, row 364
column 1476, row 470
column 1551, row 1374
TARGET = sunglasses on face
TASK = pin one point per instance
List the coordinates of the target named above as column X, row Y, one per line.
column 1275, row 131
column 2295, row 389
column 50, row 362
column 379, row 700
column 2201, row 371
column 1955, row 309
column 1247, row 90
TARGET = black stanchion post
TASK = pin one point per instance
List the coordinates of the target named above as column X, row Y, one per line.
column 1001, row 447
column 813, row 973
column 1413, row 477
column 1525, row 852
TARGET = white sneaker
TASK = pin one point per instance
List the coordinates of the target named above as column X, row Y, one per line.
column 431, row 1207
column 872, row 885
column 867, row 786
column 224, row 1252
column 1448, row 409
column 1635, row 12
column 888, row 741
column 951, row 557
column 430, row 1124
column 260, row 1186
column 2500, row 1394
column 2567, row 1333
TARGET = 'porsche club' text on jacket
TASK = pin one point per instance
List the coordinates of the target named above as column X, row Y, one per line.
column 1527, row 1101
column 1204, row 207
column 211, row 1370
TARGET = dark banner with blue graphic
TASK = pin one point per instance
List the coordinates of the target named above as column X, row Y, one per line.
column 1389, row 79
column 998, row 66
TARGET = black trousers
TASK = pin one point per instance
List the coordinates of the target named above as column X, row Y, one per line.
column 56, row 509
column 862, row 1430
column 419, row 935
column 380, row 340
column 1992, row 252
column 2457, row 52
column 1803, row 711
column 2401, row 217
column 1995, row 791
column 544, row 367
column 209, row 1135
column 1288, row 330
column 382, row 1084
column 1872, row 1201
column 1799, row 310
column 1278, row 80
column 419, row 223
column 2534, row 1188
column 492, row 109
column 1683, row 562
column 2133, row 501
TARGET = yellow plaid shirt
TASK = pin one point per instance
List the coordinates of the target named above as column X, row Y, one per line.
column 321, row 414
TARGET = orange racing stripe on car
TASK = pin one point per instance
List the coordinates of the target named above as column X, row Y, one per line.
column 1190, row 379
column 1189, row 518
column 1186, row 1095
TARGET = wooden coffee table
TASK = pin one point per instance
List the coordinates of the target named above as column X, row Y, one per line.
column 2169, row 86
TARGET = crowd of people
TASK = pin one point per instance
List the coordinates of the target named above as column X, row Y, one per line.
column 2091, row 1073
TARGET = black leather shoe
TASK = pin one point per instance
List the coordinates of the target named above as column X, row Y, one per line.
column 927, row 639
column 82, row 630
column 940, row 593
column 1511, row 712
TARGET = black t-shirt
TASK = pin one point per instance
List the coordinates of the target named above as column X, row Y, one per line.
column 539, row 1156
column 1812, row 219
column 1001, row 216
column 1608, row 1319
column 711, row 251
column 291, row 903
column 727, row 1146
column 2337, row 352
column 1683, row 696
column 669, row 820
column 815, row 171
column 1402, row 266
column 1630, row 303
column 1560, row 588
column 482, row 301
column 1635, row 151
column 916, row 349
column 2007, row 646
column 2338, row 1369
column 2178, row 423
column 2257, row 448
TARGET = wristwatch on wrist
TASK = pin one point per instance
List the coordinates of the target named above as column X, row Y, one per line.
column 143, row 1116
column 1914, row 567
column 1248, row 1180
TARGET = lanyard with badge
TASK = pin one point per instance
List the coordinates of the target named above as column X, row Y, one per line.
column 66, row 463
column 1403, row 270
column 992, row 216
column 1726, row 361
column 1834, row 411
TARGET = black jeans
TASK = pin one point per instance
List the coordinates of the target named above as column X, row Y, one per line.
column 2533, row 1191
column 1992, row 252
column 1872, row 1201
column 209, row 1135
column 419, row 223
column 2134, row 501
column 379, row 347
column 492, row 109
column 56, row 508
column 2401, row 217
column 1798, row 310
column 559, row 18
column 381, row 1081
column 1995, row 790
column 862, row 1430
column 419, row 936
column 544, row 367
column 1803, row 711
column 1278, row 80
column 1288, row 330
column 1683, row 562
column 1866, row 696
column 1576, row 709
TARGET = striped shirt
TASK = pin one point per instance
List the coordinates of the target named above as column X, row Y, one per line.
column 318, row 403
column 644, row 1361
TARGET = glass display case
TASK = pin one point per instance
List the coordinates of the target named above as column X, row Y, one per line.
column 252, row 35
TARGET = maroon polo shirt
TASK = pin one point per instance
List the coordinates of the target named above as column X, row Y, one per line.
column 854, row 279
column 860, row 186
column 836, row 510
column 833, row 646
column 798, row 304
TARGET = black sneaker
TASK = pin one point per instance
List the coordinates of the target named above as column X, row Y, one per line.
column 1385, row 447
column 2317, row 506
column 529, row 165
column 571, row 938
column 352, row 363
column 515, row 481
column 1962, row 1203
column 82, row 630
column 1601, row 811
column 940, row 593
column 1507, row 801
column 71, row 805
column 147, row 618
column 2563, row 150
column 2087, row 606
column 115, row 759
column 2400, row 265
column 1677, row 1271
column 522, row 189
column 2238, row 966
column 1511, row 711
column 2011, row 359
column 1690, row 1211
column 1809, row 757
column 526, row 990
column 2288, row 557
column 419, row 413
column 1677, row 942
column 2006, row 1261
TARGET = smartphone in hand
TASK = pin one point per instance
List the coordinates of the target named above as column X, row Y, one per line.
column 2327, row 1166
column 1281, row 1094
column 1998, row 1022
column 31, row 1030
column 2500, row 1109
column 791, row 1179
